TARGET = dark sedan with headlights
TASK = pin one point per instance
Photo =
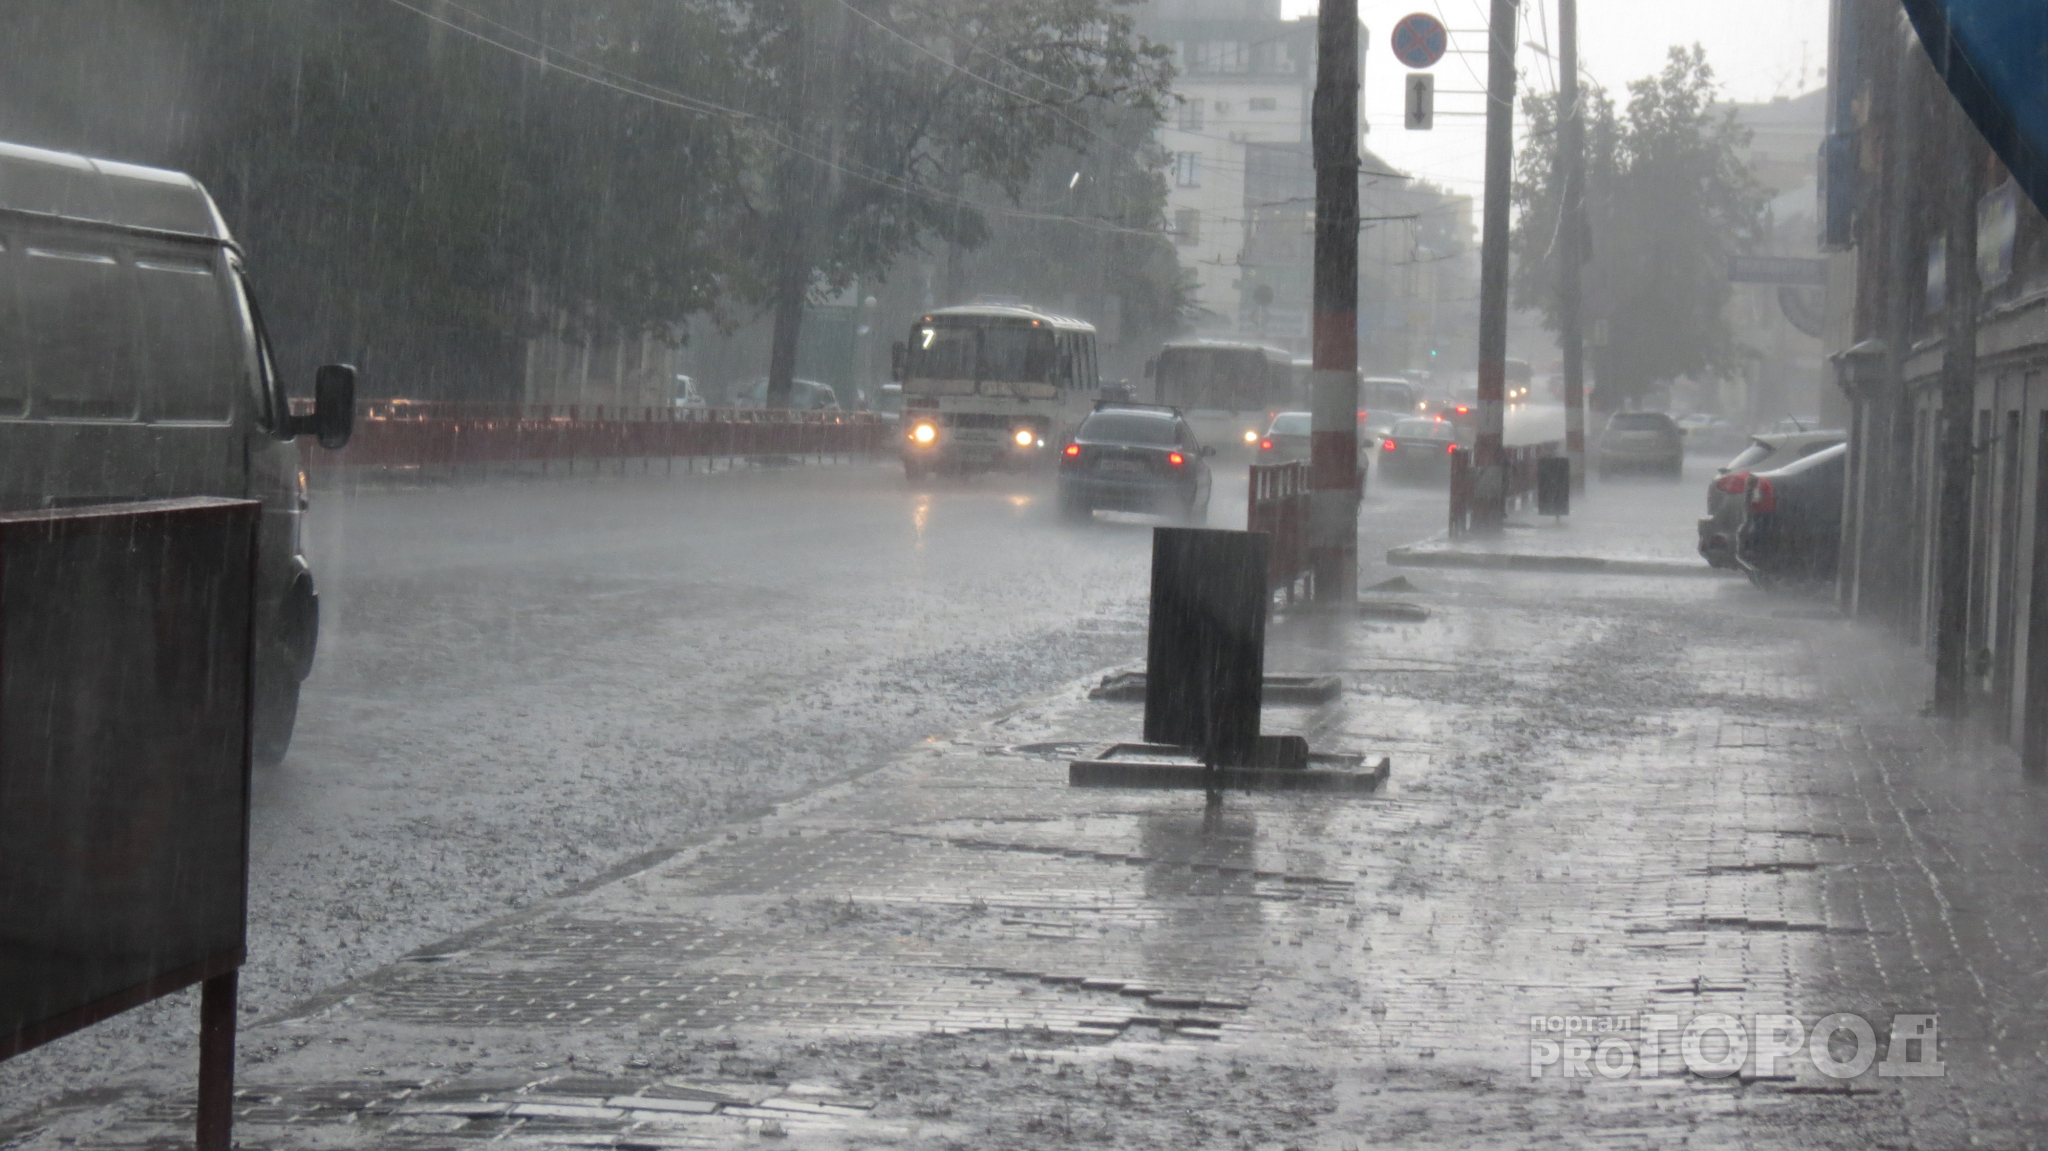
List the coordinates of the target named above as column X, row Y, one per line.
column 1134, row 458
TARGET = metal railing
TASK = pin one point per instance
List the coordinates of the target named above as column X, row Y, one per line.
column 1519, row 468
column 1278, row 505
column 447, row 438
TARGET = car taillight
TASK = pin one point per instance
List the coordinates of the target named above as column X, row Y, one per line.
column 1449, row 448
column 1265, row 445
column 1763, row 498
column 1388, row 446
column 1734, row 483
column 1463, row 410
column 1176, row 459
column 1073, row 450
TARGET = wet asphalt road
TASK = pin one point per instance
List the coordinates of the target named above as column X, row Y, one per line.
column 524, row 686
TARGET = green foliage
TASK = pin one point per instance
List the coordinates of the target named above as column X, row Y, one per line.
column 1087, row 225
column 423, row 184
column 1668, row 200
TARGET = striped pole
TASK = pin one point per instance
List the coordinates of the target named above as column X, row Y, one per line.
column 1490, row 490
column 1333, row 411
column 1571, row 252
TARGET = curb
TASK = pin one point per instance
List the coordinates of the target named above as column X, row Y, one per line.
column 1436, row 557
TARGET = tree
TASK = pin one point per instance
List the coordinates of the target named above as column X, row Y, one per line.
column 1668, row 199
column 1090, row 226
column 875, row 117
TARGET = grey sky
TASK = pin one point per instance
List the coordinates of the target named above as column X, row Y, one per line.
column 1758, row 48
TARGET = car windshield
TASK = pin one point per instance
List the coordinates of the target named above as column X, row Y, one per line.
column 1640, row 422
column 1291, row 424
column 973, row 352
column 1129, row 428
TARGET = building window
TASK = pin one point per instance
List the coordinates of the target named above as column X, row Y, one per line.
column 1191, row 115
column 1187, row 226
column 1187, row 171
column 1264, row 103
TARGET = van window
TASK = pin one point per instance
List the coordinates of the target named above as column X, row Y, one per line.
column 271, row 405
column 191, row 359
column 77, row 305
column 13, row 356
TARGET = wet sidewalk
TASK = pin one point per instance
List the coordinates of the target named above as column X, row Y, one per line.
column 1626, row 526
column 1613, row 798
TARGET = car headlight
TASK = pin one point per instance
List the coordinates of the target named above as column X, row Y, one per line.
column 924, row 433
column 1024, row 437
column 1251, row 437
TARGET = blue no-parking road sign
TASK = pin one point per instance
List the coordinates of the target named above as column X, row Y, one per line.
column 1420, row 40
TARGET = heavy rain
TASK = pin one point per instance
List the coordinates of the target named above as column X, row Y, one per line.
column 1235, row 574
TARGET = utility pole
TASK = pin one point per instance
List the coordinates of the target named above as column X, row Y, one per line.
column 1571, row 250
column 1490, row 489
column 1333, row 420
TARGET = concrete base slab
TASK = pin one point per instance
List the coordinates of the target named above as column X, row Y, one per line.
column 1151, row 766
column 1282, row 688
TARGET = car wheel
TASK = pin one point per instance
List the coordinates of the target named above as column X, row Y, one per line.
column 1074, row 509
column 1196, row 514
column 277, row 712
column 914, row 473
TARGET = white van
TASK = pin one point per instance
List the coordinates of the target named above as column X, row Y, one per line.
column 133, row 366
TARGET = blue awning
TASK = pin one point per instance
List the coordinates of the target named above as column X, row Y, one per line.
column 1994, row 56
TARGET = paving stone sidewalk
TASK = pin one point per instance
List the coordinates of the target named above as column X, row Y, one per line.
column 1611, row 797
column 1625, row 526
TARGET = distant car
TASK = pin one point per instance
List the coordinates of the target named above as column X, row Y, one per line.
column 1792, row 520
column 1286, row 440
column 888, row 406
column 1135, row 458
column 804, row 396
column 1418, row 449
column 1641, row 441
column 687, row 395
column 1376, row 424
column 1726, row 494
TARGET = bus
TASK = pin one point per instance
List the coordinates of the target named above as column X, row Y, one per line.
column 991, row 387
column 1229, row 390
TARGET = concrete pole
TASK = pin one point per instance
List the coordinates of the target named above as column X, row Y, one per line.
column 1490, row 492
column 1571, row 151
column 1333, row 423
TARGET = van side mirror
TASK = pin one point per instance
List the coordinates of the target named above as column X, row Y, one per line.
column 899, row 352
column 334, row 407
column 1151, row 368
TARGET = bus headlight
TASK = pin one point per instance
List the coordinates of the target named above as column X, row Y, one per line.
column 1025, row 438
column 924, row 433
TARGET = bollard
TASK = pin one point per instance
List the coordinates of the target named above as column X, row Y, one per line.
column 1205, row 645
column 1554, row 486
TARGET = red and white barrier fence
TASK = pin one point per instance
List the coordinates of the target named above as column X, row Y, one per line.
column 446, row 437
column 1520, row 465
column 1278, row 505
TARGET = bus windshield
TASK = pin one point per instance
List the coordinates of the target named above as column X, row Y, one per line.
column 1225, row 379
column 972, row 352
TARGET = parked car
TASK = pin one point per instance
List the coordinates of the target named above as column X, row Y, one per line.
column 804, row 396
column 1792, row 520
column 1418, row 449
column 1641, row 441
column 1135, row 458
column 1726, row 494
